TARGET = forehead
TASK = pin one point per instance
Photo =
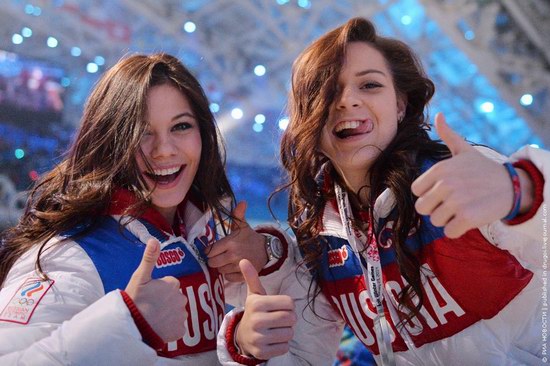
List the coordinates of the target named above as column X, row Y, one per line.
column 166, row 95
column 361, row 56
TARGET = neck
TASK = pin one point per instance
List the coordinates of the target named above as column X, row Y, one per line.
column 358, row 182
column 168, row 213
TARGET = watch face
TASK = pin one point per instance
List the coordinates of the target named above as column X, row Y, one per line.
column 276, row 247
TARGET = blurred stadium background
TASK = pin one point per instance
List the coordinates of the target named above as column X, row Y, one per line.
column 490, row 61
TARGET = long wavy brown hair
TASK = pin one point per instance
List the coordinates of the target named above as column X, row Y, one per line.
column 102, row 157
column 314, row 89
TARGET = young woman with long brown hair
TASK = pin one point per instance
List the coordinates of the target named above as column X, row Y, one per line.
column 111, row 261
column 430, row 251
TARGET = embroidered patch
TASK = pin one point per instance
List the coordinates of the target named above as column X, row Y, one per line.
column 25, row 300
column 337, row 257
column 170, row 257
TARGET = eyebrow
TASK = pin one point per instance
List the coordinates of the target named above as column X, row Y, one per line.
column 184, row 114
column 369, row 71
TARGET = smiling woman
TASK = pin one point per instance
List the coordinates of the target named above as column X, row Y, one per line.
column 429, row 251
column 129, row 242
column 170, row 148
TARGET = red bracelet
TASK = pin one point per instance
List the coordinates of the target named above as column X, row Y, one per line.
column 538, row 186
column 230, row 337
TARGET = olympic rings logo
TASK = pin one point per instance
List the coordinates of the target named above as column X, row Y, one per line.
column 25, row 301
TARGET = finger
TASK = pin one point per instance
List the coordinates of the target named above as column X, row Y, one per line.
column 251, row 278
column 424, row 183
column 441, row 215
column 238, row 214
column 455, row 228
column 227, row 267
column 276, row 319
column 150, row 256
column 272, row 350
column 454, row 141
column 234, row 277
column 217, row 248
column 430, row 200
column 271, row 303
column 280, row 335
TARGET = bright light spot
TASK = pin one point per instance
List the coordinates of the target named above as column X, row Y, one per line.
column 526, row 99
column 260, row 118
column 29, row 9
column 33, row 174
column 189, row 27
column 33, row 84
column 259, row 70
column 65, row 81
column 535, row 146
column 487, row 107
column 52, row 42
column 76, row 51
column 257, row 127
column 406, row 19
column 92, row 68
column 99, row 60
column 282, row 2
column 237, row 113
column 469, row 35
column 17, row 38
column 283, row 123
column 19, row 153
column 26, row 32
column 214, row 107
column 37, row 11
column 306, row 4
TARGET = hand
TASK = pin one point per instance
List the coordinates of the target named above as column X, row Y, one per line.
column 242, row 243
column 464, row 192
column 266, row 326
column 160, row 301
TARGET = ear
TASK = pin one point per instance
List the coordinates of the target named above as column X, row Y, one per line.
column 401, row 106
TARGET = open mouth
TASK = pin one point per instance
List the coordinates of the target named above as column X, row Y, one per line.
column 165, row 176
column 346, row 129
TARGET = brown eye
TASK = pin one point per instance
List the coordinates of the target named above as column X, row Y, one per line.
column 182, row 126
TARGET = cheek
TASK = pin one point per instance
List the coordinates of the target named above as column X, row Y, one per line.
column 140, row 162
column 325, row 141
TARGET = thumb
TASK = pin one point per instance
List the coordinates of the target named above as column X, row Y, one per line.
column 453, row 140
column 145, row 268
column 251, row 278
column 238, row 216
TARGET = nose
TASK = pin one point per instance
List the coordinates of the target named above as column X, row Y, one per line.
column 163, row 146
column 347, row 99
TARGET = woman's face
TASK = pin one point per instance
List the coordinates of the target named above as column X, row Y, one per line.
column 363, row 118
column 172, row 146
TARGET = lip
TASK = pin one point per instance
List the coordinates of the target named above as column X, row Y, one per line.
column 366, row 126
column 171, row 184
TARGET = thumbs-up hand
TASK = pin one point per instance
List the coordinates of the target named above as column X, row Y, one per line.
column 267, row 324
column 160, row 301
column 465, row 191
column 242, row 243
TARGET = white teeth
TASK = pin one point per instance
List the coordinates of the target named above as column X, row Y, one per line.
column 166, row 171
column 347, row 125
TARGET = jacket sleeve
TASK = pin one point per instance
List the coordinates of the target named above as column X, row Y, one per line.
column 317, row 332
column 527, row 240
column 72, row 322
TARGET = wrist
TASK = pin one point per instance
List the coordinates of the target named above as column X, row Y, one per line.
column 527, row 191
column 233, row 345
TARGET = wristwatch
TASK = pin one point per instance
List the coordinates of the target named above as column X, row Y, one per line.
column 273, row 247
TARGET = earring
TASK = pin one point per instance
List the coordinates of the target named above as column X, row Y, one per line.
column 400, row 117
